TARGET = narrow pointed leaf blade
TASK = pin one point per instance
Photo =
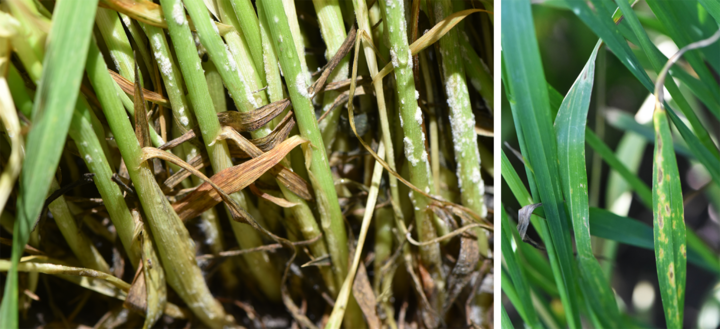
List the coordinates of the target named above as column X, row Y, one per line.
column 53, row 107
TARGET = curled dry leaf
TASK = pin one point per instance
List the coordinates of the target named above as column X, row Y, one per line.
column 524, row 221
column 282, row 202
column 198, row 162
column 334, row 61
column 286, row 177
column 463, row 270
column 232, row 180
column 279, row 134
column 129, row 88
column 253, row 120
column 142, row 132
column 363, row 293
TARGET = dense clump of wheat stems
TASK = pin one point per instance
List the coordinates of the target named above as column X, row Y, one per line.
column 169, row 108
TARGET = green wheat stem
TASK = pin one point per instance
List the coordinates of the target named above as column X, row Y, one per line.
column 414, row 140
column 320, row 176
column 462, row 123
column 263, row 270
column 303, row 219
column 171, row 237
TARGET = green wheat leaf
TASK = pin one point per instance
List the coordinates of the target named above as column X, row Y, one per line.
column 517, row 277
column 53, row 108
column 669, row 222
column 531, row 110
column 570, row 128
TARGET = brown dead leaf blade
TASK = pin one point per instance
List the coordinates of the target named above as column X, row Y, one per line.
column 252, row 120
column 129, row 88
column 232, row 180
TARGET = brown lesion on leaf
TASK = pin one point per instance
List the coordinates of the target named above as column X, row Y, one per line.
column 683, row 251
column 661, row 222
column 660, row 175
column 671, row 274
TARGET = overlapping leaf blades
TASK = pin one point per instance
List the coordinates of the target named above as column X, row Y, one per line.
column 52, row 112
column 570, row 128
column 525, row 73
column 669, row 241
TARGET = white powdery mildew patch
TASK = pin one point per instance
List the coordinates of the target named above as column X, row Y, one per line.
column 401, row 121
column 410, row 60
column 276, row 19
column 394, row 59
column 115, row 60
column 231, row 65
column 302, row 86
column 183, row 118
column 200, row 48
column 417, row 95
column 156, row 41
column 409, row 151
column 458, row 121
column 88, row 158
column 178, row 13
column 248, row 93
column 164, row 65
column 126, row 20
column 419, row 117
column 475, row 177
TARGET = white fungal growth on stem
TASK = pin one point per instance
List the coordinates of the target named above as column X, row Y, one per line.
column 178, row 13
column 164, row 65
column 232, row 65
column 302, row 86
column 410, row 151
column 394, row 59
column 419, row 117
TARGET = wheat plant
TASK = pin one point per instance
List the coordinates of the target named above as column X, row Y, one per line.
column 227, row 163
column 559, row 246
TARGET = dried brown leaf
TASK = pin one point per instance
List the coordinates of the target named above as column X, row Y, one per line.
column 334, row 61
column 285, row 176
column 136, row 299
column 129, row 88
column 269, row 197
column 142, row 132
column 463, row 270
column 198, row 162
column 253, row 120
column 279, row 134
column 232, row 180
column 363, row 293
